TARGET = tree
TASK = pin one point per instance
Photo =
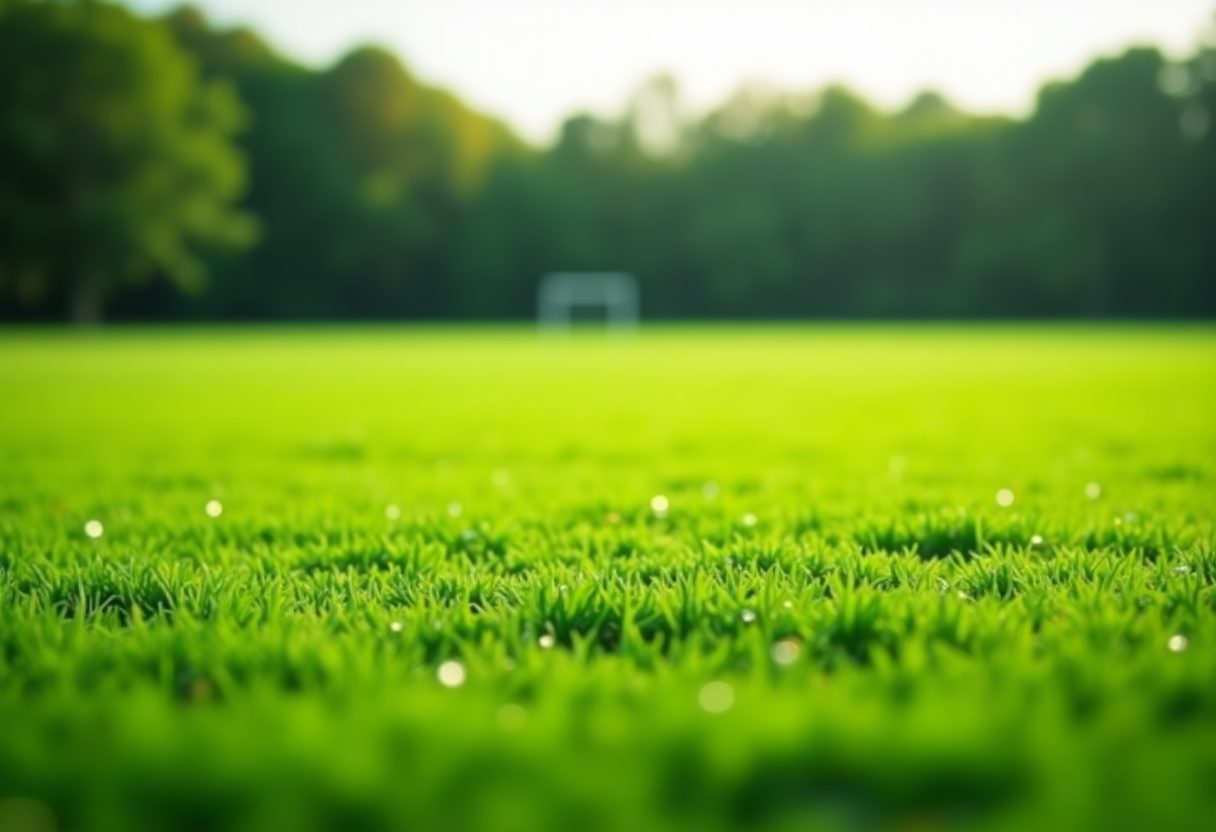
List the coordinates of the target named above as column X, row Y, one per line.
column 362, row 176
column 118, row 161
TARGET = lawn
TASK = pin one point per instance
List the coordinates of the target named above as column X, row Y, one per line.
column 818, row 577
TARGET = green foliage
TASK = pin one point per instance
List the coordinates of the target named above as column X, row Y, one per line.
column 383, row 197
column 118, row 162
column 1111, row 201
column 360, row 174
column 903, row 651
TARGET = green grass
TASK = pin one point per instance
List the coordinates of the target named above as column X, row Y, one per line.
column 901, row 651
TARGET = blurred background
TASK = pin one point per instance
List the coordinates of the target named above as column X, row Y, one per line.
column 764, row 160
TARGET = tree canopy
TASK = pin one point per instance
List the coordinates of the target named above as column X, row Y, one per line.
column 118, row 162
column 382, row 197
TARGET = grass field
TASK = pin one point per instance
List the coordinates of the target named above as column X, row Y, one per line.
column 919, row 578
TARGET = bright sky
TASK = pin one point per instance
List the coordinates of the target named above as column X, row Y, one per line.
column 532, row 62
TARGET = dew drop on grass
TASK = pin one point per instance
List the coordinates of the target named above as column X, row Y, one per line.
column 716, row 697
column 511, row 717
column 546, row 641
column 1093, row 491
column 396, row 626
column 214, row 508
column 789, row 605
column 392, row 511
column 749, row 616
column 659, row 504
column 1177, row 643
column 785, row 652
column 1036, row 540
column 455, row 509
column 749, row 519
column 451, row 674
column 94, row 529
column 1182, row 569
column 1004, row 498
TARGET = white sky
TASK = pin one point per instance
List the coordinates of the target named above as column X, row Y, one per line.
column 533, row 62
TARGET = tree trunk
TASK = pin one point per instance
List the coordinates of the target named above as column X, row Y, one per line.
column 86, row 303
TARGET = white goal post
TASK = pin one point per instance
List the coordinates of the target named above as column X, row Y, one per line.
column 560, row 292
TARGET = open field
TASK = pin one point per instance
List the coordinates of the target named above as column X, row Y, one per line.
column 441, row 591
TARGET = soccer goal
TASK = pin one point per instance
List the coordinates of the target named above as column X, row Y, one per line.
column 560, row 294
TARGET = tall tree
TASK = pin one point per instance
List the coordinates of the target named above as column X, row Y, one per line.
column 118, row 162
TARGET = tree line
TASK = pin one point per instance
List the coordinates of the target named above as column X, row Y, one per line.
column 166, row 169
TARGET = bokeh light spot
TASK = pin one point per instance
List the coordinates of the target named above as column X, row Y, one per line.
column 785, row 652
column 451, row 674
column 716, row 697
